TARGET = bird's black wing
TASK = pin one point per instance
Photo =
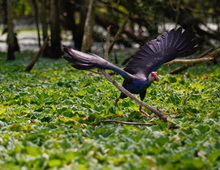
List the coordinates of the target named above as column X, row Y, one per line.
column 164, row 48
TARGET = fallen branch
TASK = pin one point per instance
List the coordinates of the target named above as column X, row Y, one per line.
column 127, row 93
column 208, row 57
column 190, row 61
column 37, row 56
column 214, row 53
column 205, row 53
column 121, row 122
column 180, row 69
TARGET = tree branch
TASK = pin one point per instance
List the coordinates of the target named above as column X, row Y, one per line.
column 117, row 35
column 122, row 122
column 36, row 57
column 189, row 63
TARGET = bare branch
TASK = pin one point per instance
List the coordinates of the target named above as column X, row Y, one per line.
column 180, row 69
column 121, row 122
column 214, row 53
column 117, row 35
column 200, row 59
column 190, row 61
column 205, row 53
column 37, row 56
column 109, row 45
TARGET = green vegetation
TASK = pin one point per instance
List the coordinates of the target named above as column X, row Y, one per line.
column 46, row 119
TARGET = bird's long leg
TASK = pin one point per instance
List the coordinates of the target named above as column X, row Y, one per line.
column 116, row 101
column 142, row 95
column 145, row 113
column 122, row 96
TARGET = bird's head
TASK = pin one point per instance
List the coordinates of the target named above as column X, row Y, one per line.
column 153, row 76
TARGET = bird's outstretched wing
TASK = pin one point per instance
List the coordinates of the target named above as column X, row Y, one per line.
column 87, row 61
column 164, row 48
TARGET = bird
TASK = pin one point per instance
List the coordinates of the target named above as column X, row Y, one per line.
column 141, row 70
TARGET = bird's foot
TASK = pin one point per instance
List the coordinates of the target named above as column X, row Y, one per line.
column 146, row 114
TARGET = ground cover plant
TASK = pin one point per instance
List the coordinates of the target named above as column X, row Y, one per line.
column 46, row 119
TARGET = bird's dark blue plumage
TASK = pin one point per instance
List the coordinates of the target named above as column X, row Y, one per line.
column 148, row 59
column 164, row 48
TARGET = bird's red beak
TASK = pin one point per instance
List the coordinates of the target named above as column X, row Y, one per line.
column 155, row 75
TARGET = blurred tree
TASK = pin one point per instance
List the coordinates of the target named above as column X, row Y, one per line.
column 68, row 19
column 3, row 9
column 10, row 30
column 43, row 12
column 55, row 28
column 88, row 28
column 81, row 22
column 36, row 15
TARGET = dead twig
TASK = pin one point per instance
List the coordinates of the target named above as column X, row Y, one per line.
column 117, row 35
column 122, row 122
column 37, row 56
column 204, row 57
column 190, row 61
column 180, row 69
column 205, row 53
column 109, row 45
column 214, row 53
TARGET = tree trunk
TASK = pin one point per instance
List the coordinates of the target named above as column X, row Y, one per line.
column 44, row 24
column 10, row 38
column 88, row 27
column 68, row 17
column 80, row 26
column 36, row 13
column 55, row 29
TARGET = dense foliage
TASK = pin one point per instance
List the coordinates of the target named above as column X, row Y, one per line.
column 46, row 119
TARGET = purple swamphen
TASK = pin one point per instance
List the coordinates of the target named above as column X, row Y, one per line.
column 141, row 70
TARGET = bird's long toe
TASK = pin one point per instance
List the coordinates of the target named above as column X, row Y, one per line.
column 145, row 113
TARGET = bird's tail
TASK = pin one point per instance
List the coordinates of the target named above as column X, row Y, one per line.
column 84, row 61
column 87, row 61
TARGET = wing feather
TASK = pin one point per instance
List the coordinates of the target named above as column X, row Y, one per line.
column 164, row 48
